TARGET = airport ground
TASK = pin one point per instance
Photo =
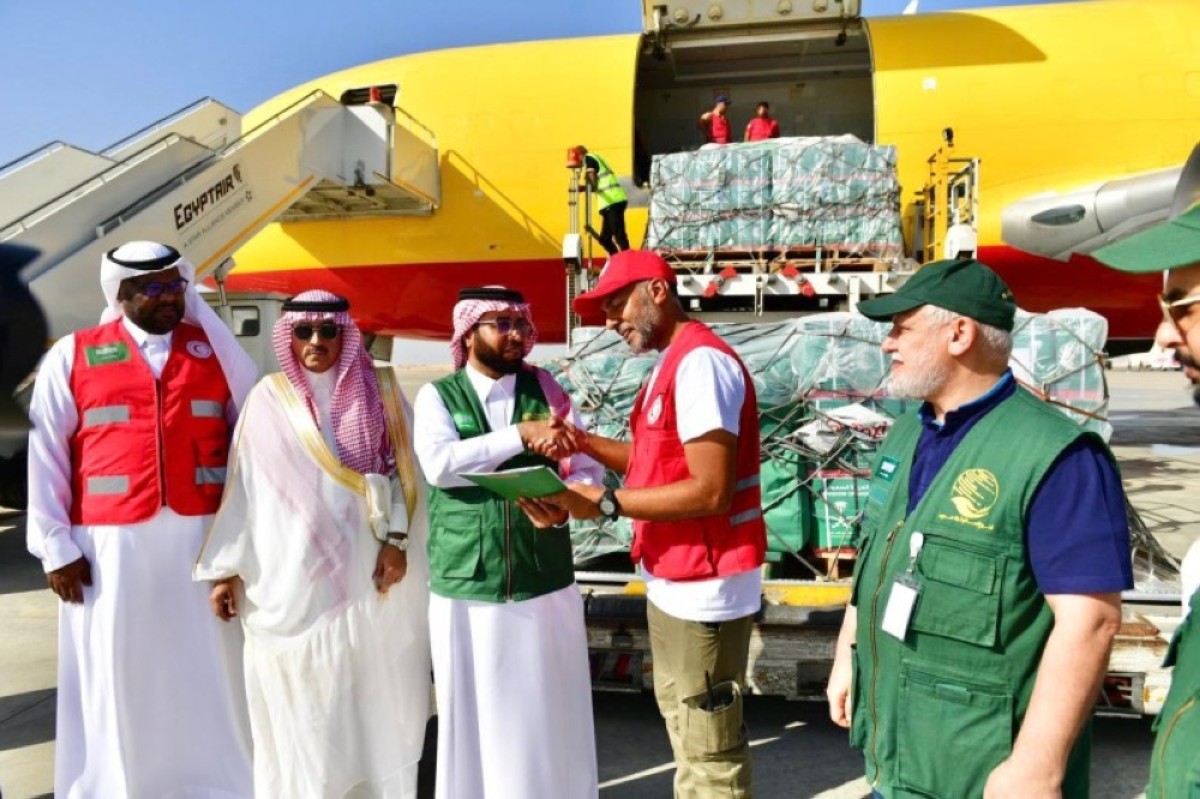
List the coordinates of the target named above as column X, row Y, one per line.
column 797, row 751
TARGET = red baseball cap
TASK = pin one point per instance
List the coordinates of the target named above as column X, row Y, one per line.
column 623, row 269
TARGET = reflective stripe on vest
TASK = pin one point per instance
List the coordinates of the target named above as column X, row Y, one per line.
column 608, row 188
column 210, row 475
column 108, row 414
column 745, row 516
column 207, row 409
column 118, row 484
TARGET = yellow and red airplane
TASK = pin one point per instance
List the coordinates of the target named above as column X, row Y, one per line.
column 1065, row 98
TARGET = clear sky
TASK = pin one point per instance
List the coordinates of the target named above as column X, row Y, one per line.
column 91, row 72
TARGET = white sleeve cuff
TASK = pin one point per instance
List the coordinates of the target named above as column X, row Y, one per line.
column 59, row 550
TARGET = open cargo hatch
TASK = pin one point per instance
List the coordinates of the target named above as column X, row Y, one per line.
column 810, row 60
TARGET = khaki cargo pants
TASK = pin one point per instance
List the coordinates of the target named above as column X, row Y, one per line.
column 712, row 755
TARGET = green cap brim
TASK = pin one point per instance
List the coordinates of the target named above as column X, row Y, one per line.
column 882, row 309
column 1168, row 245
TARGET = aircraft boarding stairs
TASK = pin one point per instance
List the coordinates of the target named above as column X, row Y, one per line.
column 197, row 181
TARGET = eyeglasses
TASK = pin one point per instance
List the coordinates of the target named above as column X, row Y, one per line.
column 328, row 331
column 505, row 326
column 156, row 288
column 1176, row 311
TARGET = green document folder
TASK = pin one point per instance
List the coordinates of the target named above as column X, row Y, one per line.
column 530, row 482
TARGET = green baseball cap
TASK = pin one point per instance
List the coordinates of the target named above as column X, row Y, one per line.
column 1167, row 245
column 964, row 286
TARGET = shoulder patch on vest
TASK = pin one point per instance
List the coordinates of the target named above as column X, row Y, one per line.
column 464, row 423
column 655, row 410
column 887, row 468
column 103, row 354
column 199, row 349
column 974, row 494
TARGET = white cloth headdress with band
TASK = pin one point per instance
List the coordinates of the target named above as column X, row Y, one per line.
column 138, row 258
column 473, row 303
column 359, row 422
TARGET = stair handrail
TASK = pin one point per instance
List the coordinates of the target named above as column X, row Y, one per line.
column 102, row 177
column 158, row 123
column 43, row 149
column 119, row 218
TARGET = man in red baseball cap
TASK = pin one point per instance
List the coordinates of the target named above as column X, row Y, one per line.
column 692, row 489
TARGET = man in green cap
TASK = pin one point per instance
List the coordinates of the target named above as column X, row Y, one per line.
column 989, row 592
column 1174, row 247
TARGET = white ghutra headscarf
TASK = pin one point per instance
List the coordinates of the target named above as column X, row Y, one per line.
column 138, row 258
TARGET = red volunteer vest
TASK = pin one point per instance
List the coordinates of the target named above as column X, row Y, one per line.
column 144, row 443
column 762, row 129
column 710, row 546
column 718, row 131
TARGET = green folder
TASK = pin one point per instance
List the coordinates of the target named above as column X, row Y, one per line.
column 530, row 482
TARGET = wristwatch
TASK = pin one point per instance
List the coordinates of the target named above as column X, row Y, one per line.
column 608, row 504
column 399, row 541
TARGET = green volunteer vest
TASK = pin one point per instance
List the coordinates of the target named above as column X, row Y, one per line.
column 481, row 546
column 1175, row 764
column 608, row 189
column 936, row 713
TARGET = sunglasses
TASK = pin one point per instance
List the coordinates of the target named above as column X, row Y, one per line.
column 1175, row 311
column 506, row 326
column 328, row 331
column 157, row 288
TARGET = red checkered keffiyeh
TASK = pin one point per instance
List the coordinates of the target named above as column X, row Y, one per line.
column 360, row 426
column 467, row 313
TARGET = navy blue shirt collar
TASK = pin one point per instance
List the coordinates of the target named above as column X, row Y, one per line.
column 972, row 411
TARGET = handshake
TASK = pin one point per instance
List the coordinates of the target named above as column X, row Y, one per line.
column 555, row 438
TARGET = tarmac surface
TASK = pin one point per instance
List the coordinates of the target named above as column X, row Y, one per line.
column 797, row 751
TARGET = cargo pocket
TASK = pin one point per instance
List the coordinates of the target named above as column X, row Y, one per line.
column 212, row 456
column 456, row 548
column 939, row 715
column 960, row 592
column 552, row 549
column 711, row 732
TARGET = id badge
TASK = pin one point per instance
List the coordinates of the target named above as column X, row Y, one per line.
column 899, row 610
column 903, row 597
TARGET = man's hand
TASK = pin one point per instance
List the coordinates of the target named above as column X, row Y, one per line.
column 1016, row 778
column 547, row 438
column 224, row 598
column 838, row 691
column 68, row 581
column 543, row 514
column 390, row 567
column 579, row 500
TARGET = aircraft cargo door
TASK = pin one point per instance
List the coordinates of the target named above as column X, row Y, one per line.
column 809, row 60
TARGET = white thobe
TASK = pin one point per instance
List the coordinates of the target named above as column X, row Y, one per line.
column 512, row 679
column 337, row 676
column 150, row 695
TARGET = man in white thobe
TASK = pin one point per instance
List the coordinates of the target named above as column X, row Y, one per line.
column 127, row 454
column 319, row 547
column 506, row 618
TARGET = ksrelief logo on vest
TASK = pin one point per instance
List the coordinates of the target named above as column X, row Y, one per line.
column 974, row 494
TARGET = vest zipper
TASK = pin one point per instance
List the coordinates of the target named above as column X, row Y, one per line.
column 1159, row 766
column 162, row 464
column 507, row 552
column 872, row 700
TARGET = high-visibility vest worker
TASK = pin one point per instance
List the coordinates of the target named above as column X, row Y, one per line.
column 607, row 188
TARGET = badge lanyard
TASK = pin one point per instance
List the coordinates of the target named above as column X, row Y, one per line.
column 905, row 590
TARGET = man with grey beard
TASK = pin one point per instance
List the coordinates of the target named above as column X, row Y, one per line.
column 993, row 551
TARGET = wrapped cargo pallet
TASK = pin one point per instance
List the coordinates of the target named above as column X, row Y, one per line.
column 821, row 382
column 836, row 193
